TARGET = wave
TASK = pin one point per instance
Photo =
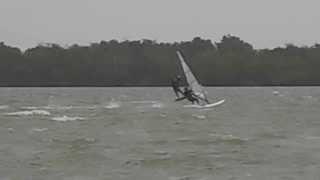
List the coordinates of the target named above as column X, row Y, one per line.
column 228, row 138
column 157, row 105
column 4, row 107
column 66, row 118
column 310, row 98
column 180, row 178
column 184, row 139
column 28, row 113
column 161, row 152
column 30, row 107
column 56, row 107
column 311, row 137
column 59, row 107
column 148, row 104
column 39, row 129
column 71, row 107
column 113, row 105
column 276, row 93
column 143, row 102
column 163, row 115
column 48, row 107
column 199, row 116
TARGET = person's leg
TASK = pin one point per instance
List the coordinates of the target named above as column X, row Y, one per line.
column 181, row 98
column 193, row 99
column 190, row 99
column 176, row 91
column 179, row 91
column 197, row 100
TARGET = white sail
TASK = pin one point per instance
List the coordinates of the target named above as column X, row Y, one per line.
column 192, row 80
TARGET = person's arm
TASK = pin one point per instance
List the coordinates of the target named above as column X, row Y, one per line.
column 179, row 90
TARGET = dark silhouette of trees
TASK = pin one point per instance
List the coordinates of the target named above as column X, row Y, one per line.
column 231, row 62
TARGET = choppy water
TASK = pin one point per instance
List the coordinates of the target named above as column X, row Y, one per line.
column 141, row 134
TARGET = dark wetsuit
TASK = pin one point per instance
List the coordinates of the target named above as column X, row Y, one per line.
column 188, row 94
column 175, row 83
column 191, row 96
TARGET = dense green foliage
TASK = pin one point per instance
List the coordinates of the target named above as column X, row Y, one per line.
column 231, row 62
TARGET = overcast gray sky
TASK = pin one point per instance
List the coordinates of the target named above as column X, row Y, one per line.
column 263, row 23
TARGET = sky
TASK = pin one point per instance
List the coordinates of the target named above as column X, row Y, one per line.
column 262, row 23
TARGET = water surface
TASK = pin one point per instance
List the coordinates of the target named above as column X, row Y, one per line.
column 142, row 134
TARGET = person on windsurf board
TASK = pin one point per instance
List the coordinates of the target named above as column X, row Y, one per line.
column 194, row 91
column 175, row 83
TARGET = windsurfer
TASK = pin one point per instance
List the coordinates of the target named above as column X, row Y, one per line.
column 175, row 83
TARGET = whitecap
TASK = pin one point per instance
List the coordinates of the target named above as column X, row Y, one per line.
column 276, row 92
column 30, row 107
column 227, row 137
column 163, row 115
column 28, row 113
column 56, row 107
column 91, row 107
column 39, row 129
column 161, row 153
column 71, row 107
column 10, row 130
column 66, row 118
column 149, row 104
column 50, row 107
column 157, row 105
column 199, row 116
column 113, row 105
column 143, row 102
column 90, row 140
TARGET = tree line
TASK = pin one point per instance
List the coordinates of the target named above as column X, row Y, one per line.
column 230, row 62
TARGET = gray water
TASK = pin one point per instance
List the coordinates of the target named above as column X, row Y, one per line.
column 142, row 134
